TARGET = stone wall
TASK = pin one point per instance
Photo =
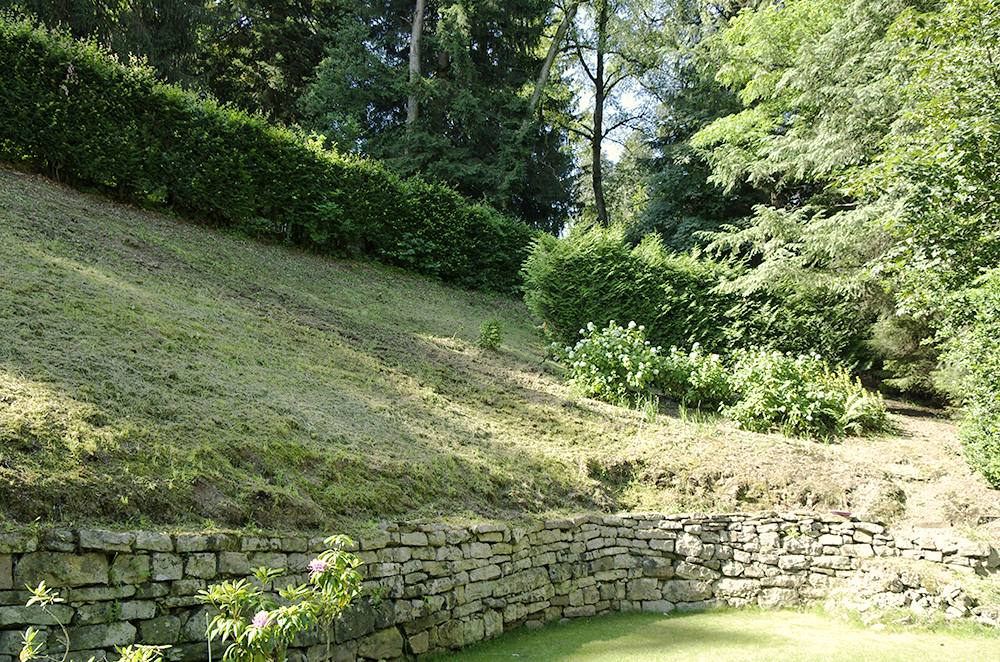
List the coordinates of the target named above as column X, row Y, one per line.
column 429, row 587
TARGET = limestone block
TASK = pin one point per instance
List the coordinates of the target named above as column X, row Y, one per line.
column 741, row 588
column 20, row 616
column 57, row 569
column 6, row 572
column 167, row 567
column 688, row 545
column 234, row 564
column 106, row 541
column 87, row 637
column 418, row 644
column 793, row 562
column 130, row 569
column 860, row 551
column 18, row 543
column 685, row 570
column 777, row 598
column 59, row 541
column 685, row 590
column 355, row 622
column 160, row 631
column 191, row 542
column 153, row 542
column 484, row 573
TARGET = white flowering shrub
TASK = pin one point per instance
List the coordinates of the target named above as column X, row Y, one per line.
column 695, row 378
column 800, row 396
column 614, row 362
column 610, row 363
column 760, row 390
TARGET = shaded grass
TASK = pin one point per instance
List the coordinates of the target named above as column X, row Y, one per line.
column 747, row 635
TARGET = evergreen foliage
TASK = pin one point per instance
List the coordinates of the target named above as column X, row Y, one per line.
column 595, row 274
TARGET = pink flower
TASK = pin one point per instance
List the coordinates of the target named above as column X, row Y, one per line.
column 317, row 566
column 260, row 620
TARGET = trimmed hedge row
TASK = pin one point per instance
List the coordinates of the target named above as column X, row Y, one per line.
column 594, row 274
column 74, row 113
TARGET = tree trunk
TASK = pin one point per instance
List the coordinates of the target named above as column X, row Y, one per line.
column 412, row 103
column 550, row 58
column 598, row 135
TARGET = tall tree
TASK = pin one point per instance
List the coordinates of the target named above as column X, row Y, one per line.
column 476, row 59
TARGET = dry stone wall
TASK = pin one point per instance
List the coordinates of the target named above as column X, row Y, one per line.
column 430, row 587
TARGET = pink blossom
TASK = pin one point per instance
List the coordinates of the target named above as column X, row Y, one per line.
column 260, row 620
column 317, row 566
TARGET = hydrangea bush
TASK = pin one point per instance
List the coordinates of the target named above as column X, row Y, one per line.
column 760, row 390
column 616, row 362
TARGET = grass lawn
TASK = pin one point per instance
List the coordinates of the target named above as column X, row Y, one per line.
column 748, row 635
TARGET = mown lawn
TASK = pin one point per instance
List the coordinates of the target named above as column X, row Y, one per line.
column 747, row 636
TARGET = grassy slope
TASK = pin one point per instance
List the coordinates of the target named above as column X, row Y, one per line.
column 153, row 373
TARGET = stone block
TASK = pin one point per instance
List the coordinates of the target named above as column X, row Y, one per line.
column 153, row 542
column 18, row 543
column 106, row 541
column 685, row 590
column 59, row 540
column 130, row 569
column 109, row 635
column 685, row 570
column 6, row 572
column 57, row 569
column 418, row 644
column 160, row 631
column 21, row 616
column 777, row 598
column 167, row 567
column 661, row 606
column 235, row 564
column 201, row 565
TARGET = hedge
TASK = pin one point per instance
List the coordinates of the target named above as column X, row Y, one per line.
column 76, row 114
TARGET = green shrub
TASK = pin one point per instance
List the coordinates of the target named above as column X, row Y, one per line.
column 695, row 378
column 616, row 362
column 610, row 363
column 975, row 350
column 593, row 275
column 490, row 334
column 800, row 396
column 79, row 116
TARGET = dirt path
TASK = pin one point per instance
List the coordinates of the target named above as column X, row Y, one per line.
column 943, row 495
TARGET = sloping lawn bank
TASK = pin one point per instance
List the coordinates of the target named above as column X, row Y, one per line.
column 748, row 636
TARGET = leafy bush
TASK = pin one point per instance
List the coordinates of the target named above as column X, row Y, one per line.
column 800, row 396
column 76, row 114
column 490, row 334
column 261, row 628
column 610, row 363
column 974, row 349
column 614, row 362
column 761, row 391
column 695, row 378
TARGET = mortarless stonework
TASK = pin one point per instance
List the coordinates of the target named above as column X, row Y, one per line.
column 430, row 587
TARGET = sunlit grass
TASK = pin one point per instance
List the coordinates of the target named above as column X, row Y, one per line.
column 746, row 636
column 159, row 373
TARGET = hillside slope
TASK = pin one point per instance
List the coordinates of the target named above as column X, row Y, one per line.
column 155, row 373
